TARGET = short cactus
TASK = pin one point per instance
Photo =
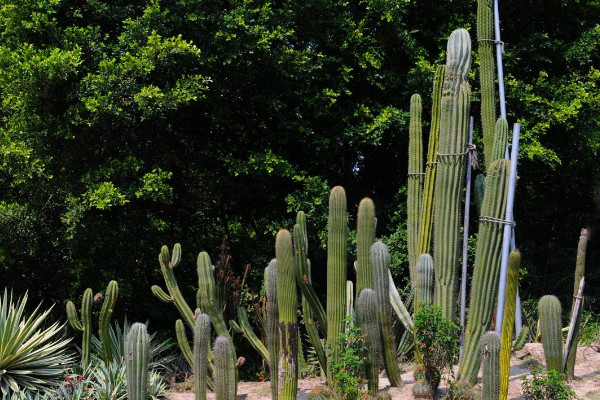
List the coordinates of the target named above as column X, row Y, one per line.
column 202, row 334
column 366, row 313
column 549, row 311
column 424, row 280
column 84, row 325
column 225, row 370
column 136, row 361
column 490, row 355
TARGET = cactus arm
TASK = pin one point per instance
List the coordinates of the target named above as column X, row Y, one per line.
column 202, row 334
column 225, row 370
column 398, row 305
column 160, row 294
column 485, row 38
column 272, row 328
column 136, row 361
column 490, row 354
column 366, row 315
column 206, row 295
column 110, row 299
column 415, row 185
column 251, row 336
column 183, row 343
column 167, row 264
column 72, row 317
column 550, row 312
column 365, row 236
column 514, row 262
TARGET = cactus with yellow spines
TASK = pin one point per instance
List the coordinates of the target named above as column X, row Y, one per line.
column 512, row 282
column 84, row 324
column 550, row 312
column 415, row 185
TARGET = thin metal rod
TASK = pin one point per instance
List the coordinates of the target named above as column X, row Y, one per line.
column 465, row 249
column 508, row 228
column 518, row 315
column 576, row 311
column 499, row 50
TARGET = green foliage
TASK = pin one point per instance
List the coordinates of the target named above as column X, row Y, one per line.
column 546, row 385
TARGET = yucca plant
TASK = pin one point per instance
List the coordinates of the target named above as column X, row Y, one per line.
column 32, row 357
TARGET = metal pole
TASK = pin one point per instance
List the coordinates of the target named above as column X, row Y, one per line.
column 576, row 311
column 499, row 50
column 463, row 281
column 508, row 227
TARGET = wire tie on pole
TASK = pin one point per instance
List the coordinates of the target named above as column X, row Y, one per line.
column 498, row 221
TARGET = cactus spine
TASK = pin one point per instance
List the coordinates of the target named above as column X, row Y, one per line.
column 424, row 280
column 512, row 282
column 415, row 185
column 487, row 268
column 380, row 259
column 110, row 299
column 272, row 328
column 84, row 325
column 201, row 345
column 336, row 264
column 550, row 311
column 485, row 38
column 288, row 325
column 225, row 370
column 490, row 354
column 365, row 236
column 136, row 361
column 579, row 273
column 366, row 315
column 426, row 221
column 500, row 141
column 449, row 182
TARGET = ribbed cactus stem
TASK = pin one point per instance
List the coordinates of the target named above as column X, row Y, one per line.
column 485, row 38
column 424, row 280
column 110, row 299
column 426, row 219
column 272, row 325
column 450, row 182
column 365, row 236
column 84, row 324
column 288, row 322
column 336, row 264
column 350, row 302
column 549, row 311
column 490, row 354
column 183, row 343
column 486, row 271
column 248, row 332
column 136, row 361
column 167, row 264
column 579, row 273
column 500, row 140
column 415, row 185
column 366, row 316
column 380, row 259
column 202, row 334
column 225, row 370
column 512, row 283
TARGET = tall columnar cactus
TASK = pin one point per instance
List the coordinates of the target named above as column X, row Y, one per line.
column 84, row 325
column 512, row 282
column 336, row 264
column 272, row 325
column 136, row 361
column 225, row 370
column 549, row 311
column 110, row 299
column 579, row 273
column 380, row 259
column 424, row 280
column 490, row 354
column 450, row 182
column 288, row 323
column 426, row 220
column 500, row 141
column 202, row 334
column 366, row 316
column 415, row 185
column 485, row 38
column 365, row 236
column 486, row 272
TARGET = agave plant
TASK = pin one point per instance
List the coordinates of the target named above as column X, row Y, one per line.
column 32, row 358
column 109, row 382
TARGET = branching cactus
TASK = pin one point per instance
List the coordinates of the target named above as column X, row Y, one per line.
column 485, row 38
column 380, row 259
column 225, row 370
column 366, row 314
column 110, row 299
column 84, row 325
column 288, row 322
column 202, row 334
column 549, row 311
column 136, row 361
column 365, row 236
column 424, row 280
column 486, row 272
column 415, row 185
column 490, row 354
column 450, row 182
column 272, row 328
column 512, row 282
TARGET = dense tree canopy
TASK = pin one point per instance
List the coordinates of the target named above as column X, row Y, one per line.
column 128, row 125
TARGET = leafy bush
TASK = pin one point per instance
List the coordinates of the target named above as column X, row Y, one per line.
column 546, row 385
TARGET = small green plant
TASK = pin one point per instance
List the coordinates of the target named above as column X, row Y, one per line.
column 348, row 366
column 546, row 385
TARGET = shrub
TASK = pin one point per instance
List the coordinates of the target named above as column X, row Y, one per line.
column 548, row 385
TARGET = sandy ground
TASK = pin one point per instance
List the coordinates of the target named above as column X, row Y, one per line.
column 586, row 384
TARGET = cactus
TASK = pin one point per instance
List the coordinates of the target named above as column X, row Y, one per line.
column 366, row 315
column 490, row 354
column 422, row 389
column 183, row 343
column 424, row 280
column 522, row 338
column 398, row 305
column 365, row 236
column 549, row 311
column 272, row 322
column 246, row 329
column 380, row 259
column 136, row 361
column 84, row 325
column 500, row 141
column 579, row 273
column 486, row 272
column 415, row 185
column 426, row 221
column 201, row 345
column 288, row 325
column 485, row 38
column 350, row 304
column 110, row 299
column 336, row 264
column 512, row 282
column 225, row 370
column 449, row 182
column 479, row 191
